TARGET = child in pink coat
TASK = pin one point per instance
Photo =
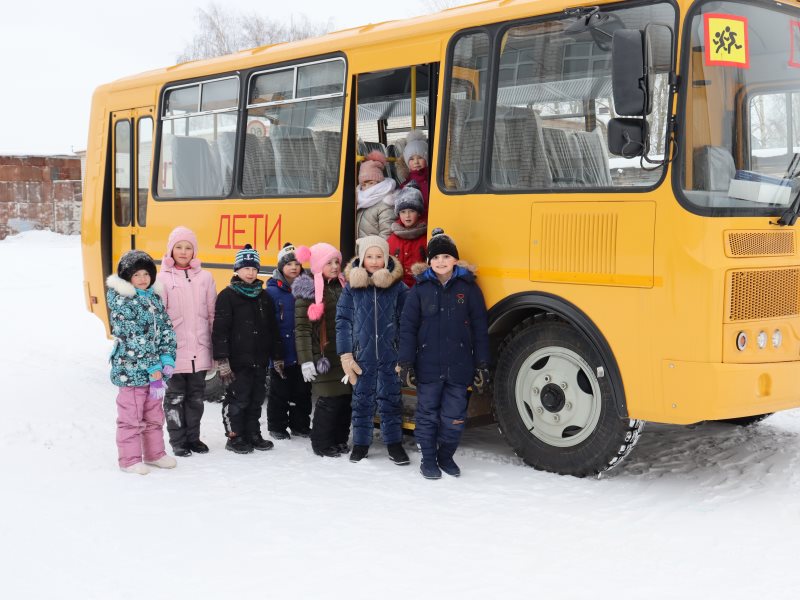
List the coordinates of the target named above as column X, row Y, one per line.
column 189, row 297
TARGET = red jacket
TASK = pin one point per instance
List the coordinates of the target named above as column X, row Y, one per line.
column 408, row 251
column 421, row 179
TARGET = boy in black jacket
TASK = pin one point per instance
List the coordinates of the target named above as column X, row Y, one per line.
column 245, row 337
column 444, row 347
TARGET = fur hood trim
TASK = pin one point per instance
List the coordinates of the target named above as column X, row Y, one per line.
column 358, row 277
column 125, row 288
column 419, row 268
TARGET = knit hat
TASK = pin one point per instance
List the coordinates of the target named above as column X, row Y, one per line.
column 181, row 234
column 372, row 167
column 441, row 244
column 416, row 145
column 369, row 241
column 408, row 197
column 286, row 255
column 136, row 260
column 247, row 257
column 318, row 256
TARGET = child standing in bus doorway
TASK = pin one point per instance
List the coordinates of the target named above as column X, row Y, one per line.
column 289, row 403
column 189, row 297
column 142, row 358
column 415, row 155
column 367, row 330
column 407, row 244
column 375, row 197
column 444, row 347
column 316, row 296
column 245, row 337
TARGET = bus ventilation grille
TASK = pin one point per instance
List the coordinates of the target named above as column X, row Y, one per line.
column 764, row 294
column 761, row 243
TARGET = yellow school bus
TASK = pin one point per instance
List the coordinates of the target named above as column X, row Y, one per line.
column 623, row 174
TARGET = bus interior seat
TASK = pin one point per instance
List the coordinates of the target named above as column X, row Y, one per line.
column 296, row 160
column 518, row 158
column 195, row 168
column 329, row 147
column 258, row 170
column 226, row 145
column 577, row 158
column 466, row 125
column 393, row 152
column 713, row 168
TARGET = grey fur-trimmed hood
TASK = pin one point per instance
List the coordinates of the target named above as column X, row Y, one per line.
column 125, row 288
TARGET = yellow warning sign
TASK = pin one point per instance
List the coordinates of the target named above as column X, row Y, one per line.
column 726, row 41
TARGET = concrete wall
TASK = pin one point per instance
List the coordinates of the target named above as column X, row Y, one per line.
column 40, row 192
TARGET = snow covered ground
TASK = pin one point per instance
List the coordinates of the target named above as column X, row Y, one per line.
column 711, row 511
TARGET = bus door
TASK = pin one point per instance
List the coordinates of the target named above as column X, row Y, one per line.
column 132, row 140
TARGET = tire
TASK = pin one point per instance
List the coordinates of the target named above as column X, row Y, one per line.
column 215, row 390
column 555, row 403
column 746, row 421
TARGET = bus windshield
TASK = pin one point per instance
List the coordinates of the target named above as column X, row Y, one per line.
column 742, row 123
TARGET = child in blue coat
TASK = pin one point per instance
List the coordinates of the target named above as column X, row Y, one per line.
column 289, row 404
column 444, row 347
column 367, row 329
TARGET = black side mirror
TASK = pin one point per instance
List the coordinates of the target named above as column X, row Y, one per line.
column 628, row 137
column 630, row 78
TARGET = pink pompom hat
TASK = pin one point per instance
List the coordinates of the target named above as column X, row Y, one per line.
column 372, row 167
column 318, row 256
column 181, row 234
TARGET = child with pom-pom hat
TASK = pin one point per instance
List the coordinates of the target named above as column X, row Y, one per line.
column 375, row 197
column 415, row 155
column 316, row 296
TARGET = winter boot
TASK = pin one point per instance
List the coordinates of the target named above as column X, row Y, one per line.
column 444, row 457
column 397, row 454
column 138, row 469
column 198, row 447
column 343, row 448
column 303, row 433
column 239, row 445
column 165, row 462
column 181, row 451
column 358, row 453
column 259, row 443
column 280, row 434
column 429, row 470
column 330, row 452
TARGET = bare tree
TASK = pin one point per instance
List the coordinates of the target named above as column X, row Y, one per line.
column 222, row 30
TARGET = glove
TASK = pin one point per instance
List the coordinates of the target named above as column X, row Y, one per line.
column 157, row 390
column 351, row 368
column 309, row 372
column 167, row 371
column 278, row 366
column 225, row 372
column 407, row 375
column 481, row 378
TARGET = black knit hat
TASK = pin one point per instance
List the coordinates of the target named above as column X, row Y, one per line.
column 441, row 244
column 136, row 260
column 247, row 257
column 286, row 255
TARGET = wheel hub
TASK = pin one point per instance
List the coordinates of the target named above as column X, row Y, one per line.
column 552, row 398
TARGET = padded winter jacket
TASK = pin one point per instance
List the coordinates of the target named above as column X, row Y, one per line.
column 444, row 329
column 282, row 299
column 245, row 331
column 368, row 317
column 144, row 341
column 189, row 297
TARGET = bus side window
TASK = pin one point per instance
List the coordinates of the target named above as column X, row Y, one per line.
column 122, row 173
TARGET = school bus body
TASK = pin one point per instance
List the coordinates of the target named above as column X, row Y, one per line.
column 651, row 276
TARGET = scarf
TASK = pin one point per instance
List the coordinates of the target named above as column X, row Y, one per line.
column 248, row 290
column 409, row 233
column 380, row 191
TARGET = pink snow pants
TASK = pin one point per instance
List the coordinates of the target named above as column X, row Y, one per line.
column 140, row 426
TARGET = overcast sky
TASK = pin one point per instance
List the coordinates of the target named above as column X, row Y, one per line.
column 54, row 53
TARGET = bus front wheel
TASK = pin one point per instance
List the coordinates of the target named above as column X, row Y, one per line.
column 555, row 404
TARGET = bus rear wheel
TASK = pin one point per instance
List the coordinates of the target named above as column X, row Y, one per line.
column 555, row 404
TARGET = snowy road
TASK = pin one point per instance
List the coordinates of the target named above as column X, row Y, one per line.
column 711, row 511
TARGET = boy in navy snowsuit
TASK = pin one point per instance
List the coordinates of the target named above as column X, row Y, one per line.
column 444, row 348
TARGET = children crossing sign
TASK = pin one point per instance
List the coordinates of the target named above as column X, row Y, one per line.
column 726, row 41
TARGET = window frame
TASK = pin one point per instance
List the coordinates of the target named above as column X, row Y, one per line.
column 496, row 32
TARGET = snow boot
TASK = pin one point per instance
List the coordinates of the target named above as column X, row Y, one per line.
column 397, row 454
column 330, row 452
column 280, row 434
column 259, row 443
column 181, row 451
column 444, row 456
column 343, row 448
column 303, row 433
column 198, row 447
column 429, row 470
column 239, row 445
column 165, row 462
column 137, row 468
column 358, row 453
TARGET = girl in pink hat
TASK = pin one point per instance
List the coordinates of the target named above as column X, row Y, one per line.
column 315, row 338
column 189, row 296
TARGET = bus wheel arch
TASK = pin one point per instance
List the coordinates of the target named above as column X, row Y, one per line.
column 559, row 400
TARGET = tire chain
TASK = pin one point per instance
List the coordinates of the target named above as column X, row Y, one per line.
column 635, row 427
